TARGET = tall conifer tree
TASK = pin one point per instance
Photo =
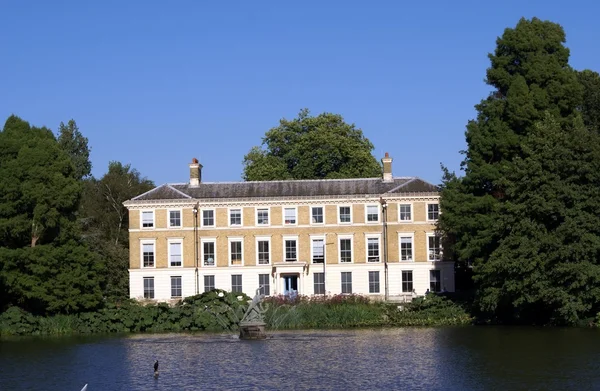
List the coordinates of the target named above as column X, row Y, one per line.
column 493, row 214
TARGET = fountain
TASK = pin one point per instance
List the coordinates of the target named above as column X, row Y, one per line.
column 252, row 325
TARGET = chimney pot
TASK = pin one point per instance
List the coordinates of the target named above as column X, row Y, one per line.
column 387, row 168
column 195, row 172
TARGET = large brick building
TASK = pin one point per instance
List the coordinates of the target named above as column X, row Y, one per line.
column 373, row 236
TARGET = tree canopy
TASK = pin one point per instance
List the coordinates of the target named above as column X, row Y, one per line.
column 105, row 222
column 75, row 145
column 44, row 266
column 308, row 147
column 590, row 108
column 524, row 211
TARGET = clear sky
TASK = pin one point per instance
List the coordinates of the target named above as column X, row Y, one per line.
column 156, row 83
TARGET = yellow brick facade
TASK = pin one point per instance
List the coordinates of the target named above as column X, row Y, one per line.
column 222, row 231
column 163, row 279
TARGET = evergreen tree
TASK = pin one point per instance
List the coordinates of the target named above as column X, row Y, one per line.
column 75, row 145
column 43, row 266
column 487, row 213
column 590, row 109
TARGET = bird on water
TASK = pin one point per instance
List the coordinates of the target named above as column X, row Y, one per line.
column 156, row 368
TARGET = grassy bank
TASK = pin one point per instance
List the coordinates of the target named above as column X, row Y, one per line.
column 221, row 311
column 348, row 311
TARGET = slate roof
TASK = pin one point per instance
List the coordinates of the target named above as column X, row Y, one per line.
column 288, row 189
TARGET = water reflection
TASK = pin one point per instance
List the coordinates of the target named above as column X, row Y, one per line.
column 471, row 358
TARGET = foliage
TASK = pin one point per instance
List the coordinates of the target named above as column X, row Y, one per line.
column 102, row 205
column 219, row 310
column 15, row 321
column 551, row 251
column 522, row 214
column 46, row 279
column 38, row 191
column 212, row 311
column 317, row 299
column 44, row 267
column 590, row 108
column 105, row 222
column 348, row 311
column 75, row 145
column 432, row 310
column 322, row 147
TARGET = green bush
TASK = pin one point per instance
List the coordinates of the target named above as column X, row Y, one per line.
column 431, row 310
column 216, row 310
column 15, row 321
column 219, row 310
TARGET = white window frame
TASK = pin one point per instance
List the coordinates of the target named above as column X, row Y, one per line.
column 429, row 235
column 262, row 208
column 268, row 284
column 367, row 214
column 173, row 241
column 214, row 214
column 311, row 214
column 214, row 242
column 241, row 275
column 263, row 239
column 231, row 240
column 440, row 281
column 427, row 211
column 291, row 237
column 342, row 283
column 295, row 208
column 180, row 287
column 339, row 214
column 149, row 278
column 412, row 281
column 339, row 252
column 410, row 235
column 142, row 218
column 400, row 204
column 153, row 243
column 379, row 249
column 321, row 273
column 169, row 218
column 378, row 281
column 312, row 239
column 229, row 210
column 214, row 286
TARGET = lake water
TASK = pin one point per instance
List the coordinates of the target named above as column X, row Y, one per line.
column 465, row 358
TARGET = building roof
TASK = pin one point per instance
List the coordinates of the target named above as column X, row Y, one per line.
column 288, row 189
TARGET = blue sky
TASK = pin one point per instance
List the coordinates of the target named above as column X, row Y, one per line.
column 155, row 83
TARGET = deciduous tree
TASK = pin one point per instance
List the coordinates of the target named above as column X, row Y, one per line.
column 106, row 222
column 321, row 147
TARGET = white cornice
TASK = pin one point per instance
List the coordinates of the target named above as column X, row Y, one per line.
column 279, row 201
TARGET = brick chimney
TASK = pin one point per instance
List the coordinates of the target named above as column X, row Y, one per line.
column 195, row 172
column 387, row 168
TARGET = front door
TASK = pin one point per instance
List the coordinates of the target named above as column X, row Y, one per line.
column 290, row 285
